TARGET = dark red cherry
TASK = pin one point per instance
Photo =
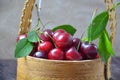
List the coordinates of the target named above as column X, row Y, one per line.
column 89, row 50
column 45, row 46
column 40, row 54
column 73, row 54
column 76, row 42
column 56, row 54
column 63, row 40
column 21, row 37
column 46, row 35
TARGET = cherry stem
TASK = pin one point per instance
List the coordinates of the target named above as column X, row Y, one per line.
column 38, row 7
column 48, row 23
column 82, row 35
column 94, row 13
column 49, row 36
column 52, row 40
column 37, row 26
column 115, row 6
column 80, row 41
column 39, row 19
column 78, row 45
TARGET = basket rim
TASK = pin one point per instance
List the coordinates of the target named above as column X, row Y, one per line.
column 62, row 61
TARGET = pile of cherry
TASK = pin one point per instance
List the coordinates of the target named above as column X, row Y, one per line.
column 60, row 45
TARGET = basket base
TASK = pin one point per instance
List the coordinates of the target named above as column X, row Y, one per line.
column 31, row 68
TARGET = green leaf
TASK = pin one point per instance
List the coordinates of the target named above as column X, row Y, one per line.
column 70, row 29
column 23, row 48
column 105, row 47
column 104, row 56
column 98, row 25
column 108, row 43
column 33, row 36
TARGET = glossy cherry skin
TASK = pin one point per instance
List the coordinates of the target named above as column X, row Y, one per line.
column 45, row 46
column 21, row 37
column 63, row 40
column 46, row 35
column 58, row 32
column 40, row 54
column 73, row 54
column 89, row 50
column 76, row 42
column 56, row 54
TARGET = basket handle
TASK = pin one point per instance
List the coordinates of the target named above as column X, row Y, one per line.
column 112, row 20
column 25, row 20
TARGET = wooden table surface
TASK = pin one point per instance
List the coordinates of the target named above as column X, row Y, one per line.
column 8, row 69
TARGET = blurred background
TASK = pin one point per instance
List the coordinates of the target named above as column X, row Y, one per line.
column 75, row 12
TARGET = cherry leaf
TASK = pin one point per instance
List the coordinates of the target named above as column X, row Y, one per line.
column 70, row 29
column 98, row 25
column 105, row 47
column 33, row 36
column 23, row 48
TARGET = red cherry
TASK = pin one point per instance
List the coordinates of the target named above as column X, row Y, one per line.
column 76, row 42
column 40, row 54
column 73, row 54
column 89, row 50
column 63, row 40
column 81, row 50
column 56, row 54
column 46, row 35
column 21, row 37
column 57, row 32
column 45, row 46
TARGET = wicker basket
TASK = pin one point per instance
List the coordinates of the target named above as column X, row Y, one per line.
column 30, row 68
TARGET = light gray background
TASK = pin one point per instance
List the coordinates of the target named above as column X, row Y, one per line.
column 75, row 12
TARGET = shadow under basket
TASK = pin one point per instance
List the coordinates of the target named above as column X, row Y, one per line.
column 30, row 68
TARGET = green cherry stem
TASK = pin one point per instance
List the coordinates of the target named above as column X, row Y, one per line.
column 39, row 20
column 37, row 27
column 38, row 7
column 115, row 6
column 94, row 13
column 80, row 41
column 52, row 40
